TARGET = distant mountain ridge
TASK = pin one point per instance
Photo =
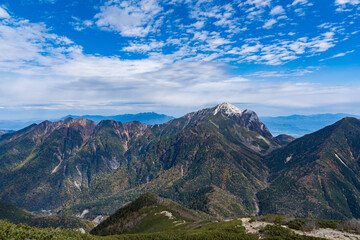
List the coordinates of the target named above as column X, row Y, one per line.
column 299, row 125
column 294, row 125
column 2, row 132
column 14, row 125
column 149, row 118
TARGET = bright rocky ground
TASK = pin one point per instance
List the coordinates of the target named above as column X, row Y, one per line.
column 222, row 161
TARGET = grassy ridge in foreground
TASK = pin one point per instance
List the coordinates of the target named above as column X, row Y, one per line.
column 149, row 214
column 223, row 230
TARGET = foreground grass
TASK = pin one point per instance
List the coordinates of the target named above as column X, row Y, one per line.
column 224, row 230
column 232, row 230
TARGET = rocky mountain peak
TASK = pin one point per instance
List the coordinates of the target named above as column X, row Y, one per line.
column 246, row 118
column 227, row 109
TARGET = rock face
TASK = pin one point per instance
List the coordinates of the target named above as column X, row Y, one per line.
column 317, row 175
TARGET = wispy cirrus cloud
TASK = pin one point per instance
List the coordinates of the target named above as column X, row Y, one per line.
column 286, row 74
column 343, row 2
column 342, row 54
column 300, row 2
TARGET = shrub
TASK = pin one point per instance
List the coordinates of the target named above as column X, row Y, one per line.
column 276, row 219
column 296, row 224
column 333, row 224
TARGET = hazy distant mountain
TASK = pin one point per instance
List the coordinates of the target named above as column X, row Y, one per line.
column 149, row 118
column 299, row 125
column 15, row 124
column 5, row 131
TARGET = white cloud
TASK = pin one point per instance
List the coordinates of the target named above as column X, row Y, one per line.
column 301, row 2
column 269, row 23
column 342, row 54
column 281, row 74
column 278, row 10
column 343, row 2
column 79, row 24
column 259, row 3
column 143, row 48
column 48, row 1
column 30, row 45
column 338, row 55
column 129, row 18
column 283, row 51
column 4, row 13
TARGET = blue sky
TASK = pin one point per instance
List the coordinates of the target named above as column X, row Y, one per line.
column 110, row 57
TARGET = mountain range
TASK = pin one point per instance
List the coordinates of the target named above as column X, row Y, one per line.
column 149, row 118
column 300, row 125
column 294, row 125
column 221, row 160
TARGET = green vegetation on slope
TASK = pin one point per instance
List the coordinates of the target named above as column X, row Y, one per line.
column 149, row 213
column 316, row 176
column 196, row 167
column 17, row 215
column 215, row 231
column 11, row 231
